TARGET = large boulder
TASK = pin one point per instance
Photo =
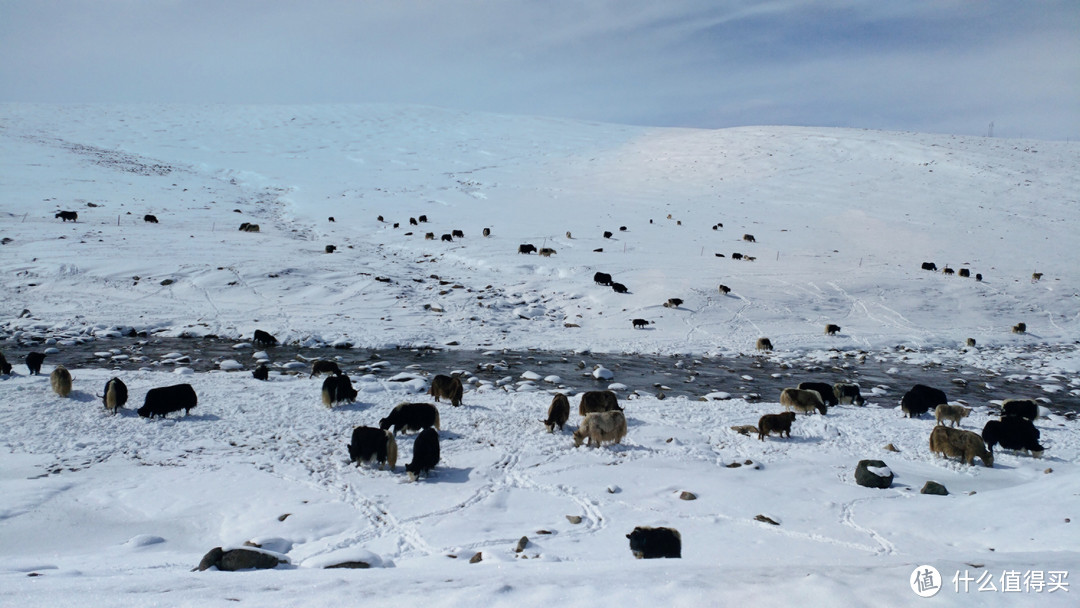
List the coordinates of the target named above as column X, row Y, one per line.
column 873, row 474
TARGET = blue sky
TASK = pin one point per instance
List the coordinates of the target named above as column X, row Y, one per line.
column 947, row 66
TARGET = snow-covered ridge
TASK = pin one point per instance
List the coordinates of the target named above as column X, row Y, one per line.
column 842, row 220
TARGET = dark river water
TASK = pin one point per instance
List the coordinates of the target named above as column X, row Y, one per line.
column 883, row 376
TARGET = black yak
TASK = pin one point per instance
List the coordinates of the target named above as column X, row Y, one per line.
column 337, row 389
column 1013, row 433
column 370, row 444
column 33, row 363
column 648, row 543
column 921, row 399
column 425, row 454
column 775, row 423
column 262, row 338
column 1022, row 408
column 164, row 400
column 411, row 417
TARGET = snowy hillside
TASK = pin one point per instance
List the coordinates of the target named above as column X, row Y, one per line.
column 842, row 221
column 100, row 510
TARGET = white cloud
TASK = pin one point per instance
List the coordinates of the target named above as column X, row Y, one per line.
column 689, row 62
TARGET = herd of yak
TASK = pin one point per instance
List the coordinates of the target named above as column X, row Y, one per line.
column 1015, row 430
column 603, row 421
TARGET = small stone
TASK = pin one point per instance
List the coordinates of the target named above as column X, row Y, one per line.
column 1048, row 471
column 351, row 565
column 891, row 448
column 574, row 519
column 767, row 520
column 543, row 531
column 283, row 517
column 748, row 462
column 688, row 496
column 734, row 465
column 521, row 544
column 476, row 558
column 933, row 487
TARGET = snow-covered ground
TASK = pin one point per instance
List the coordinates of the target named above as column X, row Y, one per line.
column 98, row 510
column 842, row 220
column 118, row 510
